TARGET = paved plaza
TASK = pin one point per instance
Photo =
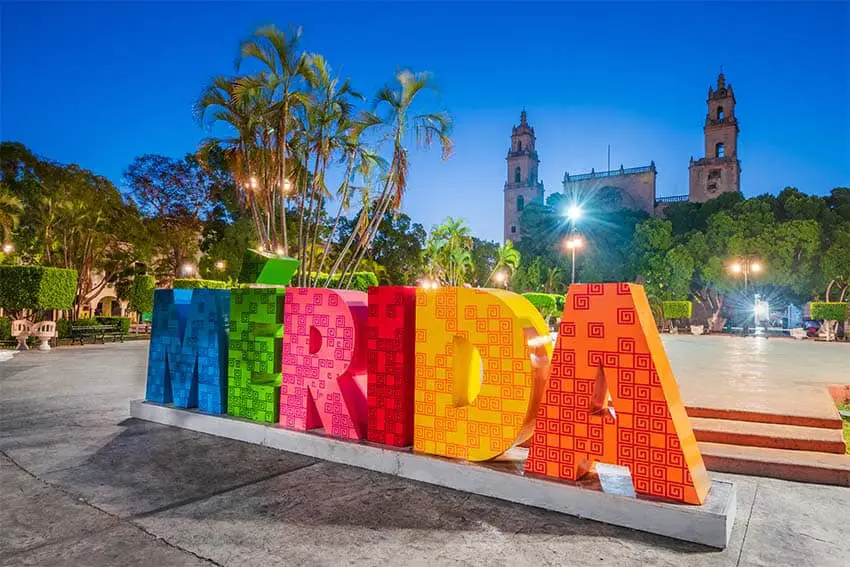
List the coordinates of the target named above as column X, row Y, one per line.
column 81, row 484
column 778, row 375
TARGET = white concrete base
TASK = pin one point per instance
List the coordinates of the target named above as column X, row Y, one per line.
column 709, row 524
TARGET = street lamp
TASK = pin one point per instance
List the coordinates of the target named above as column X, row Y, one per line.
column 188, row 269
column 8, row 248
column 574, row 213
column 747, row 267
column 287, row 186
column 572, row 244
column 279, row 251
column 219, row 265
column 501, row 279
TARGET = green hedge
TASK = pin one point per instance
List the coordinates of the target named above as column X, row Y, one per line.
column 677, row 309
column 829, row 311
column 141, row 294
column 37, row 287
column 124, row 322
column 190, row 283
column 63, row 328
column 5, row 328
column 545, row 303
column 361, row 281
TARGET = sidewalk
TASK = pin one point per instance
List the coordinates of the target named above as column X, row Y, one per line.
column 82, row 484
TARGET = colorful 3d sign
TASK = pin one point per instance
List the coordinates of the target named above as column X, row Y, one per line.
column 390, row 360
column 324, row 362
column 457, row 372
column 256, row 335
column 188, row 351
column 608, row 345
column 253, row 369
column 476, row 391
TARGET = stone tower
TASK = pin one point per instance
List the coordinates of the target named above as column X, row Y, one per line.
column 522, row 186
column 719, row 171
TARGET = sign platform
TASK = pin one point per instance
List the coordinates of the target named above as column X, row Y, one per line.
column 709, row 524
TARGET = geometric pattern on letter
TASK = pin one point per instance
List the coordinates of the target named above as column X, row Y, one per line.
column 476, row 390
column 256, row 332
column 324, row 367
column 187, row 360
column 608, row 339
column 390, row 362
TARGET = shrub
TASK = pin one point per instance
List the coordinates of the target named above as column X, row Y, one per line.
column 191, row 283
column 829, row 311
column 63, row 328
column 544, row 302
column 123, row 322
column 37, row 287
column 141, row 294
column 560, row 302
column 5, row 328
column 677, row 309
column 361, row 281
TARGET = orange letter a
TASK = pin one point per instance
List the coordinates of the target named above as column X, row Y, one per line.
column 608, row 345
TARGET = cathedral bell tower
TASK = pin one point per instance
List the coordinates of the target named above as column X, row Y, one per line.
column 719, row 171
column 522, row 186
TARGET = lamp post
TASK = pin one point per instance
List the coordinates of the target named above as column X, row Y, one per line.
column 220, row 265
column 746, row 266
column 572, row 244
column 501, row 279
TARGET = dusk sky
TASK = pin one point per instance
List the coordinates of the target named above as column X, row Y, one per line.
column 98, row 84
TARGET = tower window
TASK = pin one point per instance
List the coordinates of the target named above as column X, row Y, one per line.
column 720, row 114
column 519, row 146
column 520, row 203
column 513, row 229
column 517, row 175
column 719, row 150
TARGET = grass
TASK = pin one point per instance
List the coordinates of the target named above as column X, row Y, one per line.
column 846, row 421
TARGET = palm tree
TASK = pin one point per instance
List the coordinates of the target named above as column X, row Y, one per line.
column 284, row 76
column 553, row 276
column 363, row 161
column 330, row 115
column 448, row 251
column 400, row 119
column 11, row 208
column 246, row 153
column 507, row 257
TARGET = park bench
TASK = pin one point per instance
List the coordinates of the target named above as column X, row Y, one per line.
column 95, row 332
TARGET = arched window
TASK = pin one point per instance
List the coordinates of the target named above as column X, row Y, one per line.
column 719, row 150
column 720, row 114
column 519, row 146
column 520, row 203
column 517, row 175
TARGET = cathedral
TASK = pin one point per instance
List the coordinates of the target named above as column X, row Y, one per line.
column 718, row 172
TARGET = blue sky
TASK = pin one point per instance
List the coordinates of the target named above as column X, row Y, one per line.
column 99, row 83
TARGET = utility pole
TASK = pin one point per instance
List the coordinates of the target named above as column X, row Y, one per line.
column 609, row 157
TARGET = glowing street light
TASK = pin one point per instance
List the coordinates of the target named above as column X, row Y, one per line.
column 573, row 243
column 219, row 265
column 501, row 279
column 8, row 248
column 188, row 269
column 279, row 251
column 747, row 267
column 574, row 213
column 287, row 186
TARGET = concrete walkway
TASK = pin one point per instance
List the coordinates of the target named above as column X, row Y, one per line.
column 80, row 484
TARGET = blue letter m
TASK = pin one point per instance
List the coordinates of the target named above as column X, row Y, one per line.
column 188, row 351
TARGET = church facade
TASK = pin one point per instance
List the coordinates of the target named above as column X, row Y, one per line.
column 719, row 171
